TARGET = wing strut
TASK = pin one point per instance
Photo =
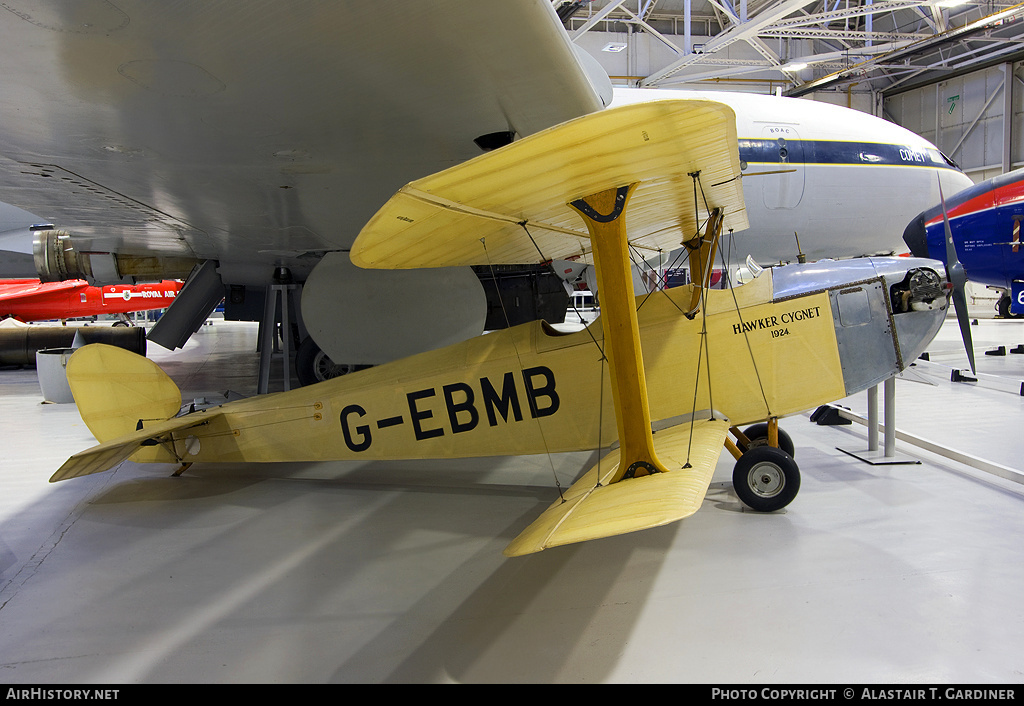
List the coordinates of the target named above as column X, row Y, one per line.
column 604, row 215
column 701, row 252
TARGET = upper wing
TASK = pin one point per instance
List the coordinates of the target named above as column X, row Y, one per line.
column 591, row 509
column 253, row 131
column 477, row 212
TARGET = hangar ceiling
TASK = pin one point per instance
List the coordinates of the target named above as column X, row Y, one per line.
column 802, row 46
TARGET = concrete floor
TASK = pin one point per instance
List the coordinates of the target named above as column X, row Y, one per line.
column 393, row 572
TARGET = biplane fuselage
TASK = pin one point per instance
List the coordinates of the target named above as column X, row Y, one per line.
column 531, row 389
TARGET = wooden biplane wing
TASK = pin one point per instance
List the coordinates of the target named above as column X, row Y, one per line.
column 593, row 507
column 512, row 205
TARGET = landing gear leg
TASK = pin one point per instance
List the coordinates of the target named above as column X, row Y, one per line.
column 1003, row 308
column 757, row 435
column 765, row 477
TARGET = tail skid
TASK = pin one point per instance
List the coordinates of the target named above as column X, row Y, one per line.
column 108, row 454
column 127, row 402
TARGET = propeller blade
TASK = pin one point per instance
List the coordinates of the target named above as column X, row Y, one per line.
column 958, row 279
column 960, row 304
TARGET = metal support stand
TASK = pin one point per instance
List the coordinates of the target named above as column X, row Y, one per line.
column 278, row 300
column 873, row 419
column 872, row 455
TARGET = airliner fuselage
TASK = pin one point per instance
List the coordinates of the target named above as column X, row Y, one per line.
column 845, row 182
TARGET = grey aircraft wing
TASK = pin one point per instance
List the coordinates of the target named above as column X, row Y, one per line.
column 261, row 132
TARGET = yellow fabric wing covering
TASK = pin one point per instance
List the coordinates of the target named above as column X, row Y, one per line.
column 510, row 205
column 115, row 388
column 105, row 456
column 592, row 509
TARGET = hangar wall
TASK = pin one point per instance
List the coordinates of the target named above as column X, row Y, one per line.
column 645, row 54
column 972, row 118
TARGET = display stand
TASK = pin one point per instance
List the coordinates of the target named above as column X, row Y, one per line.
column 887, row 455
column 275, row 311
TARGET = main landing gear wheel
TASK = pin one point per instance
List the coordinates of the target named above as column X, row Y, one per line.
column 758, row 435
column 1003, row 308
column 766, row 478
column 312, row 365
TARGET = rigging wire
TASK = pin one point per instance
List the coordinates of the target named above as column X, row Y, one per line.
column 508, row 325
column 600, row 404
column 662, row 286
column 702, row 346
column 706, row 277
column 743, row 327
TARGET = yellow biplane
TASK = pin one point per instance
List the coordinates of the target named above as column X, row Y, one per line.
column 658, row 382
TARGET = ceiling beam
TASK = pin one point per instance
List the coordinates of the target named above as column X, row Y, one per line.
column 913, row 49
column 741, row 32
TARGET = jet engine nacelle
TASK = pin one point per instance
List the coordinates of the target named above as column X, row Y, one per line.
column 58, row 259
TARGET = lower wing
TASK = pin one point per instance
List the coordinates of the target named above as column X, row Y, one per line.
column 592, row 509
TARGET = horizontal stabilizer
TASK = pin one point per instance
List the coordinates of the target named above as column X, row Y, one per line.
column 127, row 402
column 592, row 509
column 107, row 455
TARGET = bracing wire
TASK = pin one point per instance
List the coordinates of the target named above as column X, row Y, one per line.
column 508, row 324
column 661, row 285
column 600, row 420
column 706, row 277
column 600, row 402
column 702, row 348
column 746, row 337
column 696, row 387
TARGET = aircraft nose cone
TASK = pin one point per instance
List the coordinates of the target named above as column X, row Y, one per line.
column 916, row 238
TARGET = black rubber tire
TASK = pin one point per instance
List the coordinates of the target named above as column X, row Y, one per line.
column 766, row 479
column 1003, row 308
column 312, row 365
column 758, row 435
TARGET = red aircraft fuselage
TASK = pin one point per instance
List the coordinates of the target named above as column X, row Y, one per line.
column 32, row 300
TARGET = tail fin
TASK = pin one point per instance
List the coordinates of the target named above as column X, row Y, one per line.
column 115, row 389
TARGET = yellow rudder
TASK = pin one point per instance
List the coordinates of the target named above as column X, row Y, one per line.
column 115, row 388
